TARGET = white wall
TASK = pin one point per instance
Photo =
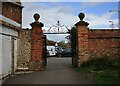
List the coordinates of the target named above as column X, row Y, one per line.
column 6, row 55
column 0, row 56
column 0, row 52
column 9, row 31
column 15, row 54
column 9, row 21
column 6, row 50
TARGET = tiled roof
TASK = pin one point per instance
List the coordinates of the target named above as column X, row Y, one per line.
column 50, row 43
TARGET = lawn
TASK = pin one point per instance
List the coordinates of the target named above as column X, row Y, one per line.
column 102, row 77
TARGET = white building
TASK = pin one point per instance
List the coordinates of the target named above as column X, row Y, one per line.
column 10, row 26
column 51, row 50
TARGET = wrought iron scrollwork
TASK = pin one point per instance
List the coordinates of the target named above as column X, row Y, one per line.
column 57, row 29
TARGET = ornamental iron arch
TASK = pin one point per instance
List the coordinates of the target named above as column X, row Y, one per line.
column 58, row 28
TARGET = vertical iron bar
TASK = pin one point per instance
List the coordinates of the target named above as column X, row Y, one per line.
column 58, row 24
column 119, row 14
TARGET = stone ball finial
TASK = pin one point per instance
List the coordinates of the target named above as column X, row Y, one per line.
column 36, row 17
column 81, row 16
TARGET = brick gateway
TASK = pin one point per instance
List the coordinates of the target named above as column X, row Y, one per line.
column 89, row 43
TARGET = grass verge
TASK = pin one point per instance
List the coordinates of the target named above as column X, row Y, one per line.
column 103, row 77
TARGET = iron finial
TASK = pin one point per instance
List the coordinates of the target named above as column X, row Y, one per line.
column 81, row 16
column 36, row 17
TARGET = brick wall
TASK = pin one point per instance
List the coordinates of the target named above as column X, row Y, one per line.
column 24, row 51
column 12, row 11
column 30, row 49
column 104, row 42
column 30, row 46
column 97, row 42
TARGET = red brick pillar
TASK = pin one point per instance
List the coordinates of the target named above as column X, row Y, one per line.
column 36, row 44
column 82, row 39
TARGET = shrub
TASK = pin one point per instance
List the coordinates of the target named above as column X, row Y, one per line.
column 100, row 63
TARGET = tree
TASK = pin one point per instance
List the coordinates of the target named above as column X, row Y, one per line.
column 63, row 44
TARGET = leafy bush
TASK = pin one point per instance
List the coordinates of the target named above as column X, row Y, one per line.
column 100, row 63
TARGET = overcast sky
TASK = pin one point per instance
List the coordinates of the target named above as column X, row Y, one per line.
column 97, row 13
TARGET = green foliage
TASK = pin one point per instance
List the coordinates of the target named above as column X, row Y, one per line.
column 103, row 78
column 109, row 76
column 63, row 44
column 84, row 69
column 105, row 70
column 100, row 63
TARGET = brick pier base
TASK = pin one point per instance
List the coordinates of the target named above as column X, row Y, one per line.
column 36, row 65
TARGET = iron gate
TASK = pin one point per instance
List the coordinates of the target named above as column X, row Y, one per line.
column 61, row 29
column 73, row 45
column 44, row 51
